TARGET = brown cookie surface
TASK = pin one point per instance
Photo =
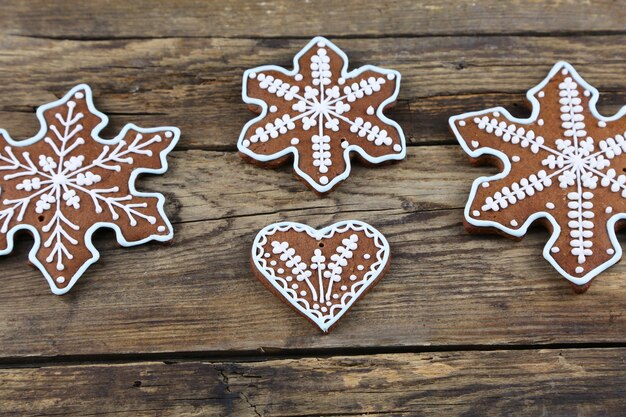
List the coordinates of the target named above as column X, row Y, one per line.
column 320, row 273
column 321, row 115
column 66, row 182
column 564, row 166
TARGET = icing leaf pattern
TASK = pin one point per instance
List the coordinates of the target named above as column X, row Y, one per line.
column 565, row 163
column 320, row 113
column 66, row 182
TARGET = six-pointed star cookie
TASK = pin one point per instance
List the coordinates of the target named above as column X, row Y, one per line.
column 321, row 114
column 66, row 182
column 565, row 165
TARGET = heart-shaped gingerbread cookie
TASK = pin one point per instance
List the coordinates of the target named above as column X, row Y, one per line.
column 320, row 273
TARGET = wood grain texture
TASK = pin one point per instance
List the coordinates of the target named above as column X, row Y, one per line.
column 188, row 18
column 444, row 287
column 196, row 83
column 538, row 382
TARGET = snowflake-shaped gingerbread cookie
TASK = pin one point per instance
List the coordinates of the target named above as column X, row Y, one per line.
column 320, row 273
column 321, row 114
column 564, row 165
column 66, row 182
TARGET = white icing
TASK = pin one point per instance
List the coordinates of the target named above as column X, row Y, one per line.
column 462, row 123
column 485, row 184
column 367, row 256
column 540, row 122
column 610, row 251
column 321, row 274
column 321, row 108
column 514, row 223
column 475, row 144
column 608, row 210
column 574, row 162
column 476, row 213
column 515, row 158
column 541, row 94
column 273, row 109
column 58, row 184
column 295, row 141
column 554, row 249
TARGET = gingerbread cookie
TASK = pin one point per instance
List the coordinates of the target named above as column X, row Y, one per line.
column 320, row 273
column 321, row 115
column 564, row 165
column 66, row 182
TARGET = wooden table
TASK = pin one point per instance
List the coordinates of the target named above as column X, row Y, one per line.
column 461, row 325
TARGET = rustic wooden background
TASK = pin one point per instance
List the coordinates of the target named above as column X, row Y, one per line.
column 461, row 325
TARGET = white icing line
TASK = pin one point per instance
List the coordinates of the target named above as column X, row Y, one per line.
column 95, row 255
column 556, row 229
column 323, row 188
column 382, row 258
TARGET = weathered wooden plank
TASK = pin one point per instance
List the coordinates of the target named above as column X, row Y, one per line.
column 107, row 19
column 196, row 83
column 579, row 382
column 444, row 286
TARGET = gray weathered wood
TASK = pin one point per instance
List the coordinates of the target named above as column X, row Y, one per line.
column 280, row 18
column 579, row 382
column 444, row 287
column 196, row 83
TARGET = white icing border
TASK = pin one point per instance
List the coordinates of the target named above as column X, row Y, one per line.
column 327, row 232
column 292, row 149
column 32, row 255
column 519, row 232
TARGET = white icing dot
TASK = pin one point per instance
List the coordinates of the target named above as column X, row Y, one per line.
column 587, row 93
column 397, row 147
column 324, row 309
column 485, row 184
column 564, row 71
column 161, row 229
column 303, row 293
column 540, row 122
column 360, row 267
column 352, row 277
column 246, row 143
column 335, row 296
column 289, row 279
column 476, row 213
column 579, row 269
column 475, row 144
column 341, row 81
column 344, row 287
column 295, row 141
column 266, row 254
column 608, row 210
column 601, row 123
column 462, row 123
column 496, row 114
column 294, row 286
column 60, row 280
column 550, row 205
column 316, row 306
column 273, row 109
column 367, row 256
column 321, row 44
column 273, row 262
column 280, row 270
column 515, row 158
column 298, row 77
column 169, row 134
column 391, row 76
column 344, row 144
column 370, row 110
column 610, row 251
column 555, row 249
column 79, row 96
column 514, row 223
column 541, row 94
column 324, row 180
column 253, row 75
column 329, row 303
